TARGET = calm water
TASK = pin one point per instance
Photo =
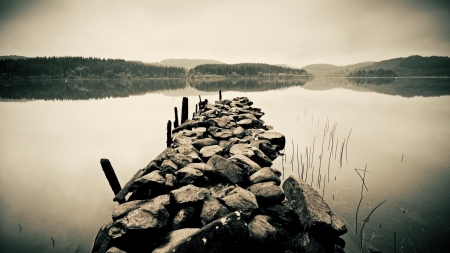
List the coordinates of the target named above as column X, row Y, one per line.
column 53, row 135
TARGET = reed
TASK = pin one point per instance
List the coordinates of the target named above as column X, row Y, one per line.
column 364, row 224
column 362, row 189
column 346, row 145
column 342, row 152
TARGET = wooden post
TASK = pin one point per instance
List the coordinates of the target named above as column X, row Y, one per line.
column 395, row 242
column 220, row 95
column 196, row 106
column 175, row 123
column 200, row 98
column 110, row 175
column 184, row 110
column 169, row 133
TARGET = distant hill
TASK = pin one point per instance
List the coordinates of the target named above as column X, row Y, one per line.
column 187, row 63
column 333, row 70
column 246, row 70
column 14, row 57
column 410, row 66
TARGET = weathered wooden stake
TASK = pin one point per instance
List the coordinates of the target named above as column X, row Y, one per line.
column 110, row 175
column 199, row 97
column 220, row 95
column 169, row 133
column 175, row 123
column 196, row 108
column 184, row 110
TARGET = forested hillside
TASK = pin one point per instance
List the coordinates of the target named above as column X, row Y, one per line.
column 80, row 67
column 245, row 70
column 410, row 66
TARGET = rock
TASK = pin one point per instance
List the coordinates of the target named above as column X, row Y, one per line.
column 277, row 172
column 199, row 144
column 212, row 210
column 189, row 150
column 167, row 166
column 222, row 169
column 187, row 217
column 220, row 191
column 189, row 194
column 246, row 162
column 262, row 233
column 249, row 116
column 223, row 122
column 103, row 239
column 173, row 238
column 122, row 209
column 261, row 159
column 284, row 216
column 153, row 178
column 189, row 124
column 304, row 242
column 275, row 138
column 267, row 193
column 115, row 250
column 239, row 132
column 245, row 123
column 184, row 137
column 312, row 211
column 197, row 166
column 180, row 160
column 241, row 200
column 209, row 151
column 171, row 180
column 264, row 175
column 151, row 217
column 270, row 150
column 188, row 175
column 211, row 237
column 199, row 131
column 242, row 149
column 220, row 133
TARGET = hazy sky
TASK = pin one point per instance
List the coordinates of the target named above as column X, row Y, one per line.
column 294, row 32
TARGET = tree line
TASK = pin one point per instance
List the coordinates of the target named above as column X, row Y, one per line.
column 245, row 70
column 81, row 67
column 373, row 73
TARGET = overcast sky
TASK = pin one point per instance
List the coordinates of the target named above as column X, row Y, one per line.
column 295, row 32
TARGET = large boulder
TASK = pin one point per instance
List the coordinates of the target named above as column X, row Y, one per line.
column 311, row 209
column 242, row 149
column 264, row 237
column 223, row 169
column 189, row 175
column 167, row 166
column 187, row 217
column 154, row 178
column 245, row 162
column 261, row 158
column 228, row 234
column 209, row 151
column 189, row 150
column 267, row 193
column 212, row 210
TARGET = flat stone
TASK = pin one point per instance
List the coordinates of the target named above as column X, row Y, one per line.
column 242, row 149
column 153, row 178
column 199, row 144
column 311, row 209
column 189, row 194
column 245, row 123
column 211, row 237
column 275, row 138
column 251, row 166
column 264, row 175
column 223, row 169
column 224, row 122
column 209, row 151
column 184, row 137
column 188, row 175
column 180, row 160
column 122, row 209
column 212, row 210
column 267, row 193
column 189, row 124
column 171, row 239
column 115, row 250
column 242, row 200
column 220, row 133
column 249, row 116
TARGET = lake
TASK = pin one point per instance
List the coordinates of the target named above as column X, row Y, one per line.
column 53, row 135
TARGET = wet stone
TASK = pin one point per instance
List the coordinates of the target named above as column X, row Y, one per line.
column 189, row 194
column 199, row 144
column 264, row 175
column 267, row 193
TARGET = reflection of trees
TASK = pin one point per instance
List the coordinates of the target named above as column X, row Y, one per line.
column 246, row 84
column 85, row 89
column 406, row 87
column 371, row 81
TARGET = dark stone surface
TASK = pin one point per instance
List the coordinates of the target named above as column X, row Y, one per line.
column 267, row 193
column 223, row 169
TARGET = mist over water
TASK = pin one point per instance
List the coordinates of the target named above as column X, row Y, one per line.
column 51, row 182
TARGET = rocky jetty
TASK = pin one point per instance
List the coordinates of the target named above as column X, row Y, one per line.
column 214, row 190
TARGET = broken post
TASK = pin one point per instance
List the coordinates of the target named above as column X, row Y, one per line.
column 220, row 95
column 110, row 175
column 169, row 133
column 175, row 123
column 184, row 110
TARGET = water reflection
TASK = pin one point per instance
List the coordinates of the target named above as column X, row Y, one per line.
column 112, row 88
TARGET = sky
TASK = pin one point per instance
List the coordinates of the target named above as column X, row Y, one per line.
column 293, row 32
